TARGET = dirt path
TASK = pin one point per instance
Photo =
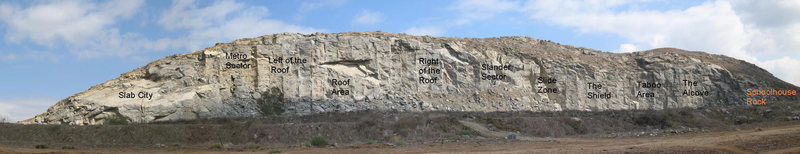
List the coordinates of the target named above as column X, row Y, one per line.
column 731, row 141
column 784, row 139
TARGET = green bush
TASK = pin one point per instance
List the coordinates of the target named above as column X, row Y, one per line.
column 267, row 110
column 116, row 120
column 370, row 142
column 272, row 102
column 275, row 151
column 319, row 141
column 466, row 132
column 401, row 143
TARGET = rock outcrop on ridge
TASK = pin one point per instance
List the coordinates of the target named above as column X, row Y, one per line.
column 338, row 72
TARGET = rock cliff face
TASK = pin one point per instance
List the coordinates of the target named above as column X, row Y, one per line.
column 340, row 72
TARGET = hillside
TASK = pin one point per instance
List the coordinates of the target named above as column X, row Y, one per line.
column 297, row 74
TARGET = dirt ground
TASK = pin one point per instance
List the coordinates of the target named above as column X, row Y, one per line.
column 736, row 129
column 781, row 139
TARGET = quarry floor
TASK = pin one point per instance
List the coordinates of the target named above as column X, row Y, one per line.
column 778, row 139
column 773, row 128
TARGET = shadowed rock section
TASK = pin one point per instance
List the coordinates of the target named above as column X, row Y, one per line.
column 339, row 72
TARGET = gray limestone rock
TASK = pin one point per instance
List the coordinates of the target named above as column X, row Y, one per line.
column 341, row 72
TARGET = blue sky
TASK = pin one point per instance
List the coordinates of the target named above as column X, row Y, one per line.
column 53, row 49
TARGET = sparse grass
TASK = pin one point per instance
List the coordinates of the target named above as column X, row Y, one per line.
column 364, row 126
column 275, row 151
column 400, row 143
column 319, row 141
column 574, row 124
column 409, row 122
column 216, row 146
column 40, row 146
column 654, row 118
column 252, row 146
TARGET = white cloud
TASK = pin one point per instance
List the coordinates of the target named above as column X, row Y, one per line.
column 78, row 26
column 70, row 21
column 21, row 109
column 772, row 13
column 740, row 29
column 367, row 18
column 311, row 5
column 88, row 29
column 33, row 55
column 471, row 10
column 627, row 48
column 775, row 23
column 221, row 21
column 185, row 14
column 308, row 6
column 432, row 31
column 784, row 67
column 711, row 27
column 467, row 12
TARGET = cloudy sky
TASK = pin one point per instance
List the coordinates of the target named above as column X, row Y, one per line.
column 53, row 49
